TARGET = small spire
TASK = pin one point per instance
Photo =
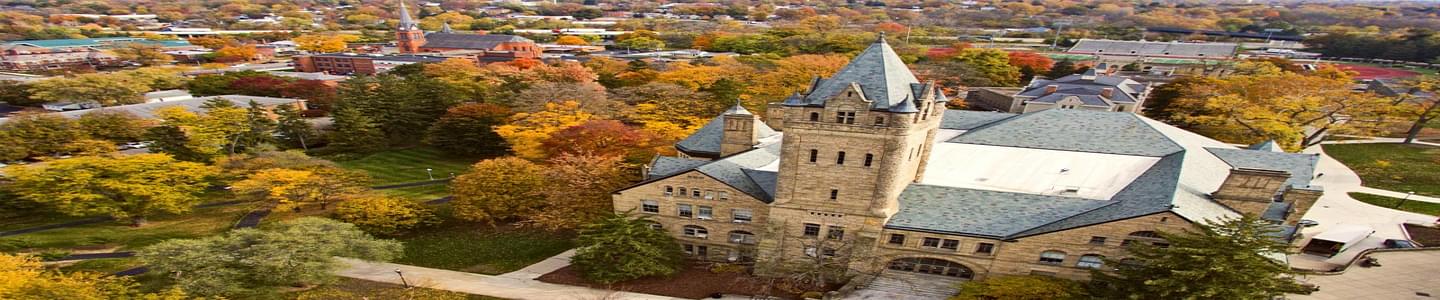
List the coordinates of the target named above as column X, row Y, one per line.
column 406, row 23
column 881, row 39
column 445, row 28
column 737, row 109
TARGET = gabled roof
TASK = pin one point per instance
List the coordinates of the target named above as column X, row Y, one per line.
column 983, row 213
column 1088, row 100
column 1074, row 130
column 1267, row 145
column 751, row 172
column 1300, row 166
column 468, row 41
column 1124, row 89
column 969, row 119
column 881, row 75
column 706, row 141
column 663, row 166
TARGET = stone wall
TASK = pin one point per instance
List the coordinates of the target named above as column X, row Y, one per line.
column 719, row 227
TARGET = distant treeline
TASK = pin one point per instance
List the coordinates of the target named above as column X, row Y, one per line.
column 1415, row 45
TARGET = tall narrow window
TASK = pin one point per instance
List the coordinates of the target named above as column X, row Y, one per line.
column 869, row 158
column 814, row 154
column 834, row 194
column 814, row 117
column 879, row 121
column 840, row 158
column 685, row 211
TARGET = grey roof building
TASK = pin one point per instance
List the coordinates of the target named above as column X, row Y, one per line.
column 149, row 110
column 1096, row 89
column 1155, row 49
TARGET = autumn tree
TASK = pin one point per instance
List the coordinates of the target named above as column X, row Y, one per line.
column 323, row 43
column 1294, row 110
column 640, row 44
column 1030, row 64
column 143, row 54
column 295, row 187
column 791, row 75
column 618, row 248
column 384, row 215
column 291, row 129
column 1021, row 287
column 203, row 136
column 992, row 63
column 42, row 134
column 1187, row 268
column 499, row 190
column 468, row 129
column 18, row 94
column 1422, row 104
column 571, row 40
column 105, row 89
column 579, row 190
column 1064, row 68
column 114, row 126
column 124, row 187
column 238, row 53
column 527, row 132
column 23, row 277
column 600, row 138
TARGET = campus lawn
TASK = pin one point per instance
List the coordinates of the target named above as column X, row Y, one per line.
column 1420, row 207
column 408, row 165
column 21, row 220
column 480, row 248
column 1395, row 167
column 198, row 223
column 420, row 193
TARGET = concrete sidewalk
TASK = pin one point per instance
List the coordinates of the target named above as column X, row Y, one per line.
column 1335, row 208
column 513, row 285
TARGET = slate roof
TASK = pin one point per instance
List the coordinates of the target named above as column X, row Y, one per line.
column 1088, row 100
column 406, row 23
column 1146, row 48
column 1125, row 89
column 969, row 119
column 1074, row 130
column 743, row 171
column 1268, row 145
column 706, row 140
column 1300, row 166
column 981, row 213
column 882, row 76
column 663, row 166
column 468, row 41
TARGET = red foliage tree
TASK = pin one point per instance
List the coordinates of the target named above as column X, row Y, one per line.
column 265, row 86
column 599, row 138
column 1030, row 64
column 319, row 95
column 891, row 28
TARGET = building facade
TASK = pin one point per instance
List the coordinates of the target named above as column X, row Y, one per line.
column 358, row 64
column 484, row 47
column 868, row 170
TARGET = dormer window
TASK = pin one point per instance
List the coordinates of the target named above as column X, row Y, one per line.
column 845, row 117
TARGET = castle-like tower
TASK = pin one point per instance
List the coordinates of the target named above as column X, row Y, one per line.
column 408, row 36
column 852, row 143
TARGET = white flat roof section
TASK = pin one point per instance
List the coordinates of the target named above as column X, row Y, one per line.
column 1033, row 171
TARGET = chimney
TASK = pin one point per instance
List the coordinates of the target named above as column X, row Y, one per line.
column 1107, row 92
column 739, row 134
column 1050, row 89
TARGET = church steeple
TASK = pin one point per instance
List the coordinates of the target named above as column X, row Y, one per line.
column 408, row 37
column 406, row 23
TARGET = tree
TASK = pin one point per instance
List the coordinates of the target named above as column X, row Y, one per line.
column 208, row 135
column 133, row 186
column 114, row 126
column 600, row 138
column 591, row 97
column 231, row 54
column 143, row 54
column 1424, row 104
column 1159, row 105
column 498, row 190
column 18, row 94
column 353, row 131
column 467, row 129
column 1030, row 64
column 527, row 132
column 578, row 190
column 298, row 252
column 640, row 43
column 105, row 89
column 318, row 95
column 295, row 187
column 1191, row 266
column 242, row 165
column 90, row 147
column 323, row 43
column 399, row 106
column 1294, row 110
column 1062, row 68
column 23, row 277
column 619, row 248
column 1024, row 287
column 292, row 129
column 384, row 215
column 42, row 134
column 571, row 40
column 264, row 86
column 790, row 75
column 992, row 63
column 170, row 139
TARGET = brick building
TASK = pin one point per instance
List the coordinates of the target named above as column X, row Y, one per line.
column 485, row 47
column 358, row 64
column 868, row 167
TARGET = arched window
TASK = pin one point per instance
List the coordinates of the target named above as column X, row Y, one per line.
column 814, row 117
column 1145, row 236
column 1052, row 257
column 696, row 231
column 1093, row 261
column 742, row 237
column 931, row 266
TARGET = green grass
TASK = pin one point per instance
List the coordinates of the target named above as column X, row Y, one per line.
column 420, row 193
column 1419, row 207
column 1395, row 167
column 21, row 220
column 479, row 248
column 108, row 265
column 408, row 165
column 198, row 223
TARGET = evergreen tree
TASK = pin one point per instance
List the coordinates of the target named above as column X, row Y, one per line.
column 260, row 125
column 1226, row 260
column 293, row 129
column 355, row 131
column 1061, row 69
column 467, row 130
column 620, row 248
column 217, row 102
column 170, row 139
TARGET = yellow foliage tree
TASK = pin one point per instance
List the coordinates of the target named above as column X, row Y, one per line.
column 1295, row 110
column 527, row 131
column 22, row 277
column 132, row 186
column 324, row 43
column 385, row 215
column 498, row 190
column 287, row 187
column 792, row 74
column 571, row 40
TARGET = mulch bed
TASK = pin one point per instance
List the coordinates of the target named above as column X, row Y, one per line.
column 695, row 282
column 1426, row 236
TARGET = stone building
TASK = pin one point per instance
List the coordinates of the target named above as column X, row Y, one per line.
column 868, row 167
column 1096, row 89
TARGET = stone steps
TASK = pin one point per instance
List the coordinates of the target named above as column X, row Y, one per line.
column 916, row 286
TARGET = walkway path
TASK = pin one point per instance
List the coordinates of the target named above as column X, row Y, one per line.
column 514, row 285
column 1335, row 207
column 1402, row 275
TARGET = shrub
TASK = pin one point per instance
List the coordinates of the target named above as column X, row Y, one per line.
column 384, row 215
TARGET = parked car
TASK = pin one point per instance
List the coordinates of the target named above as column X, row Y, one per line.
column 1399, row 244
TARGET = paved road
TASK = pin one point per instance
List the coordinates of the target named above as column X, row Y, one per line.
column 516, row 285
column 1335, row 208
column 1402, row 275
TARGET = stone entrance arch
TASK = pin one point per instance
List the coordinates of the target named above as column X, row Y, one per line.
column 931, row 266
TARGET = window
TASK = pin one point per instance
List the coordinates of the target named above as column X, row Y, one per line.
column 709, row 195
column 930, row 242
column 702, row 251
column 1052, row 257
column 814, row 154
column 669, row 190
column 650, row 206
column 740, row 215
column 695, row 193
column 836, row 233
column 840, row 158
column 724, row 196
column 810, row 251
column 845, row 117
column 834, row 194
column 828, row 252
column 985, row 248
column 657, row 226
column 682, row 192
column 706, row 213
column 1145, row 234
column 696, row 231
column 1090, row 261
column 950, row 244
column 1097, row 240
column 685, row 211
column 897, row 239
column 814, row 117
column 879, row 121
column 742, row 237
column 869, row 158
column 812, row 230
column 688, row 249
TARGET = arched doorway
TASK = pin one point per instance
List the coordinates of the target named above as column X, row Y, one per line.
column 932, row 266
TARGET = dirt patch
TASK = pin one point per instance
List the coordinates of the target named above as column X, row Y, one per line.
column 695, row 282
column 1424, row 235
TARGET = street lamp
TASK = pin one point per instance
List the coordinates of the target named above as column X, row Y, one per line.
column 430, row 172
column 402, row 278
column 1402, row 200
